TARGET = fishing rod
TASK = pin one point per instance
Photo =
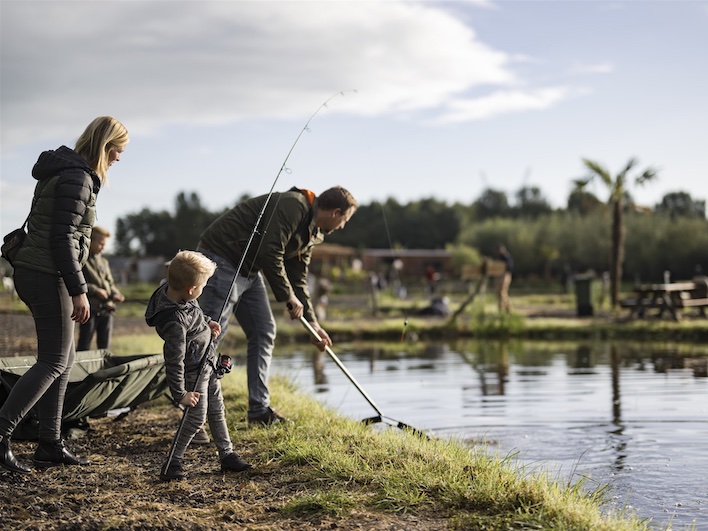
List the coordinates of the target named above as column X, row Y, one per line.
column 207, row 361
column 223, row 367
column 380, row 417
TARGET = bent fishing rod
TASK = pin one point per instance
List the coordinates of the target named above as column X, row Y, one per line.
column 380, row 417
column 206, row 361
column 283, row 168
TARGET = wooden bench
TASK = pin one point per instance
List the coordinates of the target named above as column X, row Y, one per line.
column 639, row 305
column 694, row 302
column 667, row 298
column 633, row 303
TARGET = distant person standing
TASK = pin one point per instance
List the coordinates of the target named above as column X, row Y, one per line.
column 102, row 294
column 504, row 280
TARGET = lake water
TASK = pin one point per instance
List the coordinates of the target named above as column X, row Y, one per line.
column 631, row 416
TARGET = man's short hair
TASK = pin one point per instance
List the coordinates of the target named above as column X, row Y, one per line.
column 189, row 268
column 336, row 197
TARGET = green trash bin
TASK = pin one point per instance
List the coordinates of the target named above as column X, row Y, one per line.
column 583, row 298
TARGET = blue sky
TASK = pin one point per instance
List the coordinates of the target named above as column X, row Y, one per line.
column 428, row 99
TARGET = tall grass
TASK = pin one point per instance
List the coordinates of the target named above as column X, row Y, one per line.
column 337, row 466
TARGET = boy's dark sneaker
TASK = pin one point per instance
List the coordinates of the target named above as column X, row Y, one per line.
column 174, row 472
column 233, row 463
column 270, row 417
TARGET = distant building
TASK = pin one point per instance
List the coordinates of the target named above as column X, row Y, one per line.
column 328, row 255
column 413, row 262
column 128, row 269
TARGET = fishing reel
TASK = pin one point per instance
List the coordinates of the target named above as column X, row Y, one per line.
column 223, row 366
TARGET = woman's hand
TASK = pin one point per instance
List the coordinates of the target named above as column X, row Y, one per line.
column 82, row 310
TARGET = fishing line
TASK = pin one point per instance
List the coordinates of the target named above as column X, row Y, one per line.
column 397, row 277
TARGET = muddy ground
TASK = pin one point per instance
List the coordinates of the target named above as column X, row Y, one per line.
column 121, row 490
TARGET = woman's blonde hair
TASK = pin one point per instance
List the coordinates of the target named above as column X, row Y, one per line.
column 189, row 268
column 102, row 134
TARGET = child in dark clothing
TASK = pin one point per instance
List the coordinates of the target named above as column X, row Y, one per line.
column 188, row 335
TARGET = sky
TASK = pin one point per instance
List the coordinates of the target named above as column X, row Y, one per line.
column 390, row 99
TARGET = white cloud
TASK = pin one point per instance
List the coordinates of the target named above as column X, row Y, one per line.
column 596, row 68
column 157, row 63
column 504, row 101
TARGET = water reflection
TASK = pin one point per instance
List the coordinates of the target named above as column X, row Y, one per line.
column 631, row 415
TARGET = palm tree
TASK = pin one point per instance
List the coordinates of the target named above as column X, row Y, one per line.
column 617, row 188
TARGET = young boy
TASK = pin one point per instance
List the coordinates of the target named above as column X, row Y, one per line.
column 102, row 294
column 188, row 334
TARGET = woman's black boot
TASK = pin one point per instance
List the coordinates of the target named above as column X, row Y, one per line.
column 8, row 460
column 52, row 453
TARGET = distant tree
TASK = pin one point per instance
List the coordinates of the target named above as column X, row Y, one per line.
column 492, row 204
column 191, row 218
column 369, row 226
column 424, row 224
column 617, row 188
column 427, row 224
column 148, row 233
column 583, row 202
column 145, row 233
column 681, row 204
column 530, row 203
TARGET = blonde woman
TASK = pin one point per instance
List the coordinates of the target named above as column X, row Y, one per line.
column 48, row 278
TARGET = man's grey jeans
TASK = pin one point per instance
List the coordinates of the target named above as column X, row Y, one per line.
column 247, row 299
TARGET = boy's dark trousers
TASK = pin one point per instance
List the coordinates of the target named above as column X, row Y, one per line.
column 100, row 323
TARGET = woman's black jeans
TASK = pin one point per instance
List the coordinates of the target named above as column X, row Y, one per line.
column 45, row 382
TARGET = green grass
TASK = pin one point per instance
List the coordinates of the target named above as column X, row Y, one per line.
column 136, row 344
column 340, row 466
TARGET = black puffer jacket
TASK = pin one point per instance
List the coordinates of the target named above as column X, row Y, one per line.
column 64, row 211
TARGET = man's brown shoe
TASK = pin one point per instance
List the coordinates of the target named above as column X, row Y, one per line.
column 269, row 418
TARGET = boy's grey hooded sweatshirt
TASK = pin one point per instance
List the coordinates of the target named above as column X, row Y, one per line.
column 185, row 330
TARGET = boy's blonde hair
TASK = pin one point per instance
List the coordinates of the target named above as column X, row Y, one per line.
column 100, row 231
column 189, row 268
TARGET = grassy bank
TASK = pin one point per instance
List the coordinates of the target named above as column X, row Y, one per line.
column 322, row 472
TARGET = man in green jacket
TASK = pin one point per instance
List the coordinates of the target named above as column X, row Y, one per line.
column 102, row 294
column 290, row 224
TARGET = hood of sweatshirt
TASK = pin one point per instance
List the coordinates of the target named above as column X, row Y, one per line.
column 53, row 162
column 160, row 306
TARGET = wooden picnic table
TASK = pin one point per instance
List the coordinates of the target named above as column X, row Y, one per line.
column 668, row 298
